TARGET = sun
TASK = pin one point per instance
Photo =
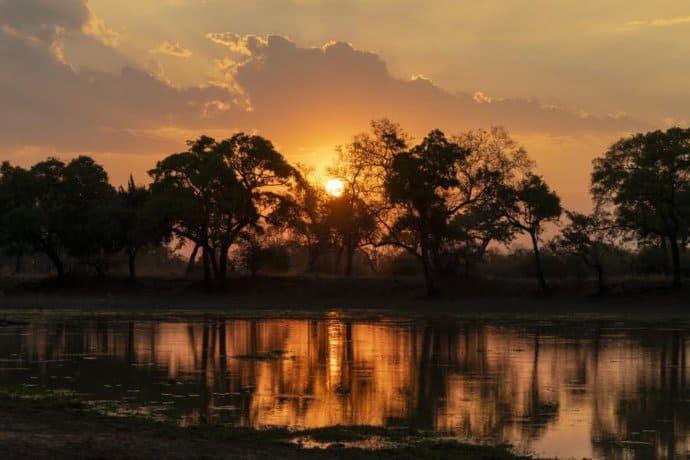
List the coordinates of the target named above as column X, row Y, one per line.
column 335, row 187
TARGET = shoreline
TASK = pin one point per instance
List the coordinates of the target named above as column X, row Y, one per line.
column 305, row 296
column 55, row 428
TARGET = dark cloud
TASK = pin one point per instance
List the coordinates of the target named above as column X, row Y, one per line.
column 41, row 18
column 47, row 103
column 300, row 97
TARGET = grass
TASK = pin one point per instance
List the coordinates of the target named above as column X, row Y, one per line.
column 66, row 416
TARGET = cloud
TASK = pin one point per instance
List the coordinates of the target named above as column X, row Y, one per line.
column 303, row 98
column 46, row 19
column 96, row 27
column 172, row 49
column 663, row 22
column 236, row 44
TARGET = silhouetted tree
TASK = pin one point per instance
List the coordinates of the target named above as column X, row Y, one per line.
column 214, row 191
column 646, row 178
column 588, row 237
column 89, row 230
column 494, row 161
column 527, row 207
column 306, row 217
column 139, row 225
column 258, row 252
column 363, row 165
column 417, row 184
column 56, row 208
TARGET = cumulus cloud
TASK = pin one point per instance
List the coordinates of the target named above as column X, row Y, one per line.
column 172, row 49
column 306, row 99
column 245, row 45
column 46, row 19
column 97, row 28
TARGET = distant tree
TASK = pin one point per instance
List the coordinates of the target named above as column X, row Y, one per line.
column 646, row 179
column 351, row 223
column 258, row 253
column 527, row 207
column 417, row 184
column 494, row 161
column 139, row 225
column 306, row 218
column 17, row 192
column 56, row 208
column 588, row 237
column 471, row 233
column 444, row 194
column 363, row 165
column 88, row 226
column 214, row 191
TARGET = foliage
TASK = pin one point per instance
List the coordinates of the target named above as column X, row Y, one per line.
column 527, row 207
column 646, row 179
column 588, row 237
column 58, row 208
column 214, row 191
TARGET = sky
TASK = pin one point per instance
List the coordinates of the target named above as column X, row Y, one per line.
column 129, row 81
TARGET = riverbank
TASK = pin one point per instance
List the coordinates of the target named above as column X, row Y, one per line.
column 56, row 428
column 311, row 295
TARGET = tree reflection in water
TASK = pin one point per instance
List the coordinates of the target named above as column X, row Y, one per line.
column 601, row 389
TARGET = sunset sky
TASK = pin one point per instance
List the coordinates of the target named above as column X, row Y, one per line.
column 129, row 81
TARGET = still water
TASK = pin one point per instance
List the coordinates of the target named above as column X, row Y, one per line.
column 599, row 389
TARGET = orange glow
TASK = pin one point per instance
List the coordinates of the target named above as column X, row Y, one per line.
column 335, row 187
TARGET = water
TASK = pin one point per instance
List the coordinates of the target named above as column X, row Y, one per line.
column 599, row 389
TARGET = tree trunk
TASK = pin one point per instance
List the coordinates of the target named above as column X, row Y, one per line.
column 207, row 264
column 537, row 262
column 603, row 289
column 428, row 275
column 18, row 264
column 350, row 255
column 222, row 265
column 675, row 258
column 192, row 259
column 214, row 262
column 131, row 257
column 339, row 257
column 57, row 262
column 468, row 267
column 313, row 258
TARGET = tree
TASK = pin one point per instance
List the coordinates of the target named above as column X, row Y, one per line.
column 363, row 165
column 17, row 190
column 493, row 161
column 56, row 208
column 443, row 194
column 88, row 206
column 470, row 234
column 646, row 179
column 588, row 237
column 257, row 252
column 351, row 222
column 215, row 190
column 527, row 207
column 306, row 218
column 417, row 183
column 139, row 226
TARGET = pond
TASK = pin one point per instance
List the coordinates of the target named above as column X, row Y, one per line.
column 596, row 389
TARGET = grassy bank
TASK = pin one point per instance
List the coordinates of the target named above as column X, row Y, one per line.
column 60, row 426
column 290, row 295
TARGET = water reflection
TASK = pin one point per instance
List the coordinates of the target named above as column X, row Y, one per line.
column 598, row 389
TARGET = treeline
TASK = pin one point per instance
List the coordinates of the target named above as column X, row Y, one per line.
column 442, row 203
